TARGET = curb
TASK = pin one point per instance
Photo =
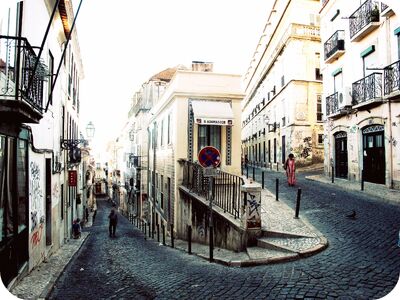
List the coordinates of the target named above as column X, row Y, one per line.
column 50, row 286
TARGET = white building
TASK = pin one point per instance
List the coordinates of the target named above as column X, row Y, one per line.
column 283, row 85
column 361, row 91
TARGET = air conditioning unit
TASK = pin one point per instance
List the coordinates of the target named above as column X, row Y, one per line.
column 345, row 98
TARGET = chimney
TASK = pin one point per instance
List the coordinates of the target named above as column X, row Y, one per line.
column 202, row 66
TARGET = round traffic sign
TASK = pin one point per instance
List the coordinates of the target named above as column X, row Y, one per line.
column 209, row 157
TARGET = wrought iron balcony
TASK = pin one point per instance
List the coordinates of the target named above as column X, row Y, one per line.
column 386, row 11
column 367, row 90
column 364, row 20
column 334, row 46
column 21, row 91
column 332, row 104
column 391, row 75
column 384, row 6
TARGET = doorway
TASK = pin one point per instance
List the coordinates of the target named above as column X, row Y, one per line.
column 341, row 157
column 48, row 202
column 374, row 154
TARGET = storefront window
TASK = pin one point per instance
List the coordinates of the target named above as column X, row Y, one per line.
column 2, row 186
column 21, row 175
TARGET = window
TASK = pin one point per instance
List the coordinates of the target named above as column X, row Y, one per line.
column 162, row 191
column 320, row 138
column 169, row 140
column 209, row 136
column 22, row 165
column 398, row 46
column 319, row 108
column 318, row 74
column 275, row 150
column 162, row 133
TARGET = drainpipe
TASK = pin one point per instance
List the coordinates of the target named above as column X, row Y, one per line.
column 390, row 144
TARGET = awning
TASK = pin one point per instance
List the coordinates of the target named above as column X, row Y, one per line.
column 212, row 113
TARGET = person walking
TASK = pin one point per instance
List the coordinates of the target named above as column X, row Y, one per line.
column 113, row 222
column 290, row 167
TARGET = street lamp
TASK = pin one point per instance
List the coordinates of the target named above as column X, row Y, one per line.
column 90, row 130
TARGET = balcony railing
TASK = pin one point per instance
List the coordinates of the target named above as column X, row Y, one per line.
column 332, row 104
column 227, row 192
column 391, row 77
column 17, row 61
column 367, row 89
column 368, row 12
column 334, row 44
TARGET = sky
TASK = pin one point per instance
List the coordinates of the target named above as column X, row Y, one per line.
column 124, row 42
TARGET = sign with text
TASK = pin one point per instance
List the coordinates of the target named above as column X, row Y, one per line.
column 206, row 121
column 72, row 178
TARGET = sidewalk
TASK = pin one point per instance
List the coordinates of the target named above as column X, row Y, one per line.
column 377, row 190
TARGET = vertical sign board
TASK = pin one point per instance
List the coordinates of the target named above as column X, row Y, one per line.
column 72, row 178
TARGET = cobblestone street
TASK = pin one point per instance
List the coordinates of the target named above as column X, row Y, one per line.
column 361, row 262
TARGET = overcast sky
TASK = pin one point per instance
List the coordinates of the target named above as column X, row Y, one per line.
column 124, row 42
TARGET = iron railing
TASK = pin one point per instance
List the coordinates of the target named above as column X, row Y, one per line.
column 227, row 188
column 367, row 88
column 334, row 43
column 391, row 75
column 368, row 12
column 332, row 104
column 17, row 61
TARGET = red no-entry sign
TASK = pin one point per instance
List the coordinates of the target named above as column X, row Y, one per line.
column 209, row 157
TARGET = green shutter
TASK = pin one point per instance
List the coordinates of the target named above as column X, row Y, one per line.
column 368, row 51
column 397, row 31
column 337, row 71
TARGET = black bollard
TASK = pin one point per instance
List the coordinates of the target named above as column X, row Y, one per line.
column 298, row 203
column 172, row 235
column 262, row 179
column 277, row 166
column 163, row 234
column 158, row 232
column 277, row 189
column 189, row 237
column 333, row 174
column 145, row 230
column 149, row 230
column 247, row 171
column 211, row 244
column 362, row 180
column 254, row 173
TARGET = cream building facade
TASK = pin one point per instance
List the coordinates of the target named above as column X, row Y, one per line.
column 361, row 91
column 283, row 85
column 198, row 108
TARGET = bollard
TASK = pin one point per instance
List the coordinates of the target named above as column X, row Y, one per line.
column 158, row 232
column 254, row 173
column 333, row 174
column 149, row 230
column 211, row 244
column 362, row 180
column 277, row 189
column 270, row 165
column 247, row 171
column 145, row 230
column 298, row 203
column 189, row 237
column 163, row 234
column 262, row 179
column 172, row 235
column 277, row 166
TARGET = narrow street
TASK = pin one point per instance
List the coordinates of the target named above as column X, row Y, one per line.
column 362, row 260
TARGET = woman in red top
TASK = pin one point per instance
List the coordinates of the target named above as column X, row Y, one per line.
column 290, row 168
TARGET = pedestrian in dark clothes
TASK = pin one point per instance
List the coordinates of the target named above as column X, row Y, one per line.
column 94, row 215
column 87, row 214
column 113, row 222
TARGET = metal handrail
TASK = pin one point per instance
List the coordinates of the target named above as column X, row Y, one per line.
column 368, row 12
column 227, row 187
column 391, row 75
column 367, row 88
column 334, row 44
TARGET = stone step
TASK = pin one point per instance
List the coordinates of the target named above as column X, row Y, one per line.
column 291, row 244
column 283, row 234
column 270, row 255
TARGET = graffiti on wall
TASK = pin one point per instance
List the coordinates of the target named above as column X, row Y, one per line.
column 253, row 210
column 37, row 236
column 307, row 147
column 35, row 195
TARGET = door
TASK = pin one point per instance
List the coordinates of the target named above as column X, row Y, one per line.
column 283, row 148
column 48, row 201
column 374, row 154
column 341, row 167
